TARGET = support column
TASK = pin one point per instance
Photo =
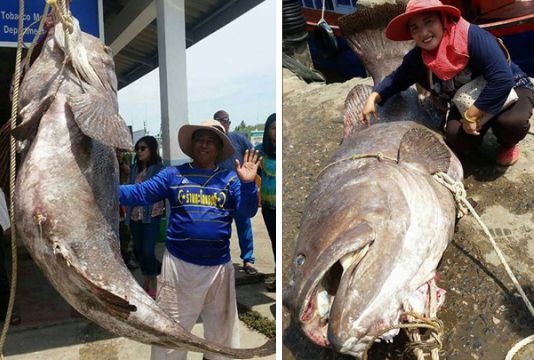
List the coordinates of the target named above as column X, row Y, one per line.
column 172, row 76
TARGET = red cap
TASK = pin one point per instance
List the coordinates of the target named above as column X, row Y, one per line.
column 397, row 28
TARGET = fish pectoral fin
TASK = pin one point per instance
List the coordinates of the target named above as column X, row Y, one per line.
column 354, row 103
column 97, row 117
column 31, row 116
column 422, row 147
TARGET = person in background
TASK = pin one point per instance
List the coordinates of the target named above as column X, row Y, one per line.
column 144, row 221
column 268, row 183
column 197, row 277
column 124, row 231
column 5, row 289
column 243, row 225
column 456, row 52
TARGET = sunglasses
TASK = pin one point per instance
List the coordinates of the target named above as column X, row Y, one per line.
column 224, row 121
column 140, row 148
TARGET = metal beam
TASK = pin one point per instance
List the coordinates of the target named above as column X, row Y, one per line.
column 228, row 12
column 134, row 18
column 150, row 61
column 121, row 79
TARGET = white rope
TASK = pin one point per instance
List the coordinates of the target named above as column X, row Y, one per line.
column 12, row 180
column 322, row 13
column 518, row 347
column 457, row 188
column 36, row 37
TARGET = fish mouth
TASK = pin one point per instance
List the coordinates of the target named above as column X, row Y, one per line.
column 315, row 316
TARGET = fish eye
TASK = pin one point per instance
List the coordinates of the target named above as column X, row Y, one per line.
column 300, row 259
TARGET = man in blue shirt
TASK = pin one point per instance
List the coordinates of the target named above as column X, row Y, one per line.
column 242, row 223
column 197, row 277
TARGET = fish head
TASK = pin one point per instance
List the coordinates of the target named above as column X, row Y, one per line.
column 339, row 286
column 363, row 309
column 329, row 239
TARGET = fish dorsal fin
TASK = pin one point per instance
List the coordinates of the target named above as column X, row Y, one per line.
column 364, row 32
column 354, row 103
column 97, row 117
column 421, row 147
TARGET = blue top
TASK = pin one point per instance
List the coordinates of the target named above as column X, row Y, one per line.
column 486, row 58
column 240, row 144
column 268, row 179
column 203, row 205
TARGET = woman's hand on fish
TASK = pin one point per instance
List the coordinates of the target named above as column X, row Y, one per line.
column 470, row 127
column 471, row 119
column 247, row 172
column 370, row 108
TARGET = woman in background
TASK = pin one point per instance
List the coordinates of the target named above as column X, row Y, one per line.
column 144, row 221
column 268, row 183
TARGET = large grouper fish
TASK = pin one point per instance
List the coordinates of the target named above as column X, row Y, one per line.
column 67, row 192
column 376, row 223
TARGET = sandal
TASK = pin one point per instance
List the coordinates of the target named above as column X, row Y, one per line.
column 271, row 286
column 152, row 293
column 249, row 268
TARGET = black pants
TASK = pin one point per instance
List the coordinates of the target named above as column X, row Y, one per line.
column 269, row 217
column 510, row 126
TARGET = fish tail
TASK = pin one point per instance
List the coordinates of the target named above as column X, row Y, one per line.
column 364, row 31
column 202, row 345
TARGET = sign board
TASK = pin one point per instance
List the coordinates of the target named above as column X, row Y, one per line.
column 88, row 12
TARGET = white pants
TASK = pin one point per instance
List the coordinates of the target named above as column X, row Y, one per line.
column 187, row 291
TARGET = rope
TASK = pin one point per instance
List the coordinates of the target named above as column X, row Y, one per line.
column 433, row 344
column 419, row 322
column 62, row 12
column 12, row 169
column 322, row 13
column 12, row 172
column 519, row 346
column 36, row 37
column 377, row 155
column 461, row 197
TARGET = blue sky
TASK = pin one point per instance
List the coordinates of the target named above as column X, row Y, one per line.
column 242, row 81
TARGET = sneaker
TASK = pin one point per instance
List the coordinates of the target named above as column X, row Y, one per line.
column 249, row 268
column 507, row 156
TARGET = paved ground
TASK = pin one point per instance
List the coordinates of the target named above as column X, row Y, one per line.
column 51, row 329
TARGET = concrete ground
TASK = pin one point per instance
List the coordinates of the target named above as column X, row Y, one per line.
column 50, row 329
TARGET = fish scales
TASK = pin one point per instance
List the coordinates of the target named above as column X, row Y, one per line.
column 377, row 196
column 67, row 199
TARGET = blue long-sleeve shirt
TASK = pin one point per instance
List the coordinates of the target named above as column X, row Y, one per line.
column 203, row 205
column 486, row 58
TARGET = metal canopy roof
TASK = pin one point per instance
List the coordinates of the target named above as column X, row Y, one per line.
column 130, row 28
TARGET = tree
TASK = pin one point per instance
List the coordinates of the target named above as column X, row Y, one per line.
column 245, row 129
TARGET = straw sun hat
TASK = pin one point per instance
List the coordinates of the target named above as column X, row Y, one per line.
column 185, row 138
column 397, row 28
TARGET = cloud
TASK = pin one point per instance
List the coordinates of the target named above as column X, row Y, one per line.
column 232, row 69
